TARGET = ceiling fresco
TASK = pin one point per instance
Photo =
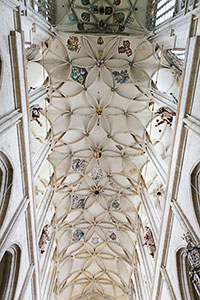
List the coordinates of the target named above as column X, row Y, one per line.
column 101, row 117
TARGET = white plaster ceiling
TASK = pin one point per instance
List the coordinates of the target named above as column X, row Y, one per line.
column 100, row 115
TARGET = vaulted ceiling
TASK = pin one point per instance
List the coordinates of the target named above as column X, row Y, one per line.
column 102, row 16
column 100, row 115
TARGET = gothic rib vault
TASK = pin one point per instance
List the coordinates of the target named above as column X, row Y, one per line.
column 101, row 119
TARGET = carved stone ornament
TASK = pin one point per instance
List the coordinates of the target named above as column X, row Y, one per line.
column 166, row 115
column 35, row 113
column 44, row 238
column 149, row 241
column 193, row 258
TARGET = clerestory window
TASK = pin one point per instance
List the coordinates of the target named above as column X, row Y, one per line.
column 159, row 11
column 46, row 8
column 165, row 10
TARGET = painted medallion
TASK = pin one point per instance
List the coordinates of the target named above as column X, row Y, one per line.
column 95, row 240
column 118, row 18
column 85, row 2
column 94, row 9
column 80, row 26
column 71, row 17
column 130, row 20
column 85, row 17
column 77, row 235
column 113, row 236
column 97, row 153
column 108, row 10
column 100, row 40
column 117, row 2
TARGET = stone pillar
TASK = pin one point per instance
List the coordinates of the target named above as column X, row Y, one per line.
column 46, row 202
column 183, row 221
column 157, row 161
column 145, row 260
column 168, row 282
column 192, row 124
column 40, row 156
column 26, row 282
column 150, row 212
column 137, row 284
column 47, row 256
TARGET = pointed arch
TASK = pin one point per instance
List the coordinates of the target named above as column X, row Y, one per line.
column 6, row 179
column 9, row 271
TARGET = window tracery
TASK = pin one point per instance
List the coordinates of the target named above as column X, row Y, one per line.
column 46, row 8
column 160, row 11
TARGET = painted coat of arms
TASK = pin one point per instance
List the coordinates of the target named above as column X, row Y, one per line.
column 73, row 44
column 78, row 202
column 125, row 48
column 77, row 235
column 121, row 77
column 79, row 74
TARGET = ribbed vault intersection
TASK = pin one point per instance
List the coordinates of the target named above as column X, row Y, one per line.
column 101, row 119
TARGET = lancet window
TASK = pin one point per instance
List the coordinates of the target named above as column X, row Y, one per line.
column 160, row 11
column 46, row 8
